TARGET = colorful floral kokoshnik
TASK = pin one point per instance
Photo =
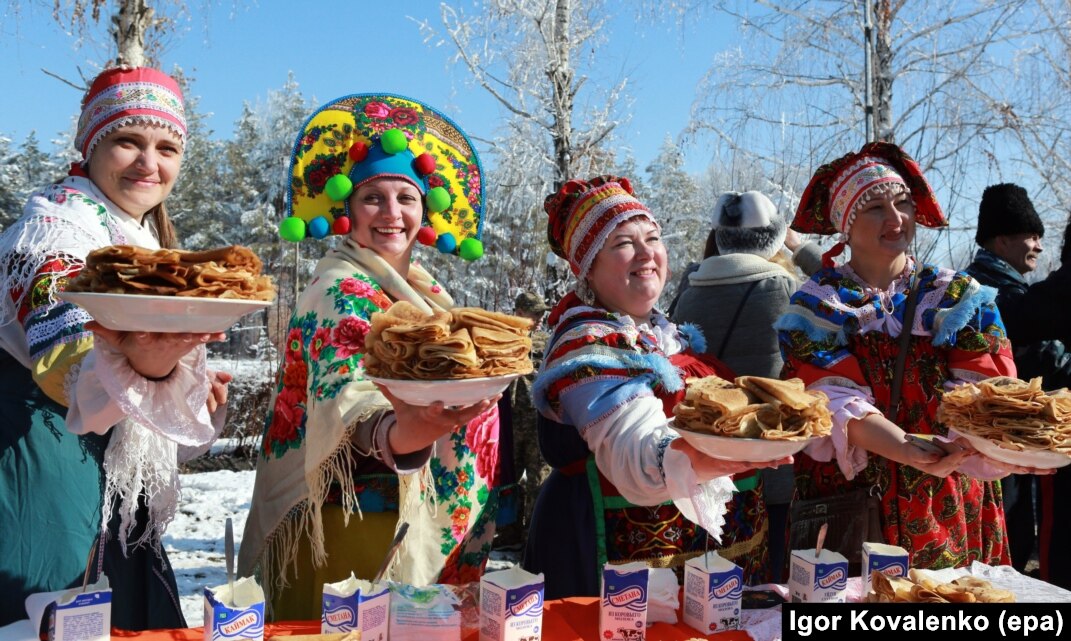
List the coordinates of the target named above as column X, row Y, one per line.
column 325, row 149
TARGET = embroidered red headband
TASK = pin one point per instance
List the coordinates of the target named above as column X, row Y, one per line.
column 124, row 96
column 819, row 210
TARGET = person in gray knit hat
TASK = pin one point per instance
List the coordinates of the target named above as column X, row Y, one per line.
column 740, row 290
column 1009, row 235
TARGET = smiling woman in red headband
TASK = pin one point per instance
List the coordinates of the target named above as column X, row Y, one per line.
column 842, row 333
column 131, row 398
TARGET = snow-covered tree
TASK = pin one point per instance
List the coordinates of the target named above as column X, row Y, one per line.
column 10, row 191
column 198, row 204
column 36, row 167
column 793, row 94
column 537, row 59
column 679, row 204
column 257, row 160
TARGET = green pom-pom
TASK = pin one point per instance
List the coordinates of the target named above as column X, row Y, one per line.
column 438, row 199
column 471, row 249
column 338, row 187
column 394, row 141
column 292, row 229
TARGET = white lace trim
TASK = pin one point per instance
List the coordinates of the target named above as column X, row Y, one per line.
column 139, row 462
column 70, row 382
column 71, row 228
column 142, row 455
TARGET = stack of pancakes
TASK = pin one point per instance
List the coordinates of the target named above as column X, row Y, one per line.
column 753, row 407
column 465, row 342
column 916, row 587
column 1017, row 415
column 228, row 273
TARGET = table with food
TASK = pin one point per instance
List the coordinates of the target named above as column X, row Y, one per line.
column 466, row 354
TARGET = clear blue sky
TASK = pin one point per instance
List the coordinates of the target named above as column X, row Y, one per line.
column 242, row 49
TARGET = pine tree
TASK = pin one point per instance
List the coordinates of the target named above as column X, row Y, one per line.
column 10, row 188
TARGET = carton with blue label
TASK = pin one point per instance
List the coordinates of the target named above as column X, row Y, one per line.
column 890, row 560
column 713, row 587
column 817, row 578
column 355, row 604
column 511, row 606
column 623, row 609
column 235, row 611
column 429, row 613
column 82, row 615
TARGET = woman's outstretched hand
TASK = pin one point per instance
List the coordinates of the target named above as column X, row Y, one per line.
column 707, row 468
column 152, row 354
column 418, row 426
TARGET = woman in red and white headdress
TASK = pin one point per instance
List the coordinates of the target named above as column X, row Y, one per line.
column 624, row 487
column 842, row 333
column 90, row 411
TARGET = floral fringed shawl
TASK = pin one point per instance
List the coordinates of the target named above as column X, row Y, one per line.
column 321, row 396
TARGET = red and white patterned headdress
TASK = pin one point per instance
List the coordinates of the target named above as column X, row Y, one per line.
column 124, row 96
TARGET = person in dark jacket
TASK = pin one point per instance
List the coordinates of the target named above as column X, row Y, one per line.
column 1010, row 238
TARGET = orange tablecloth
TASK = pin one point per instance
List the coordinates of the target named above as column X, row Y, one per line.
column 563, row 620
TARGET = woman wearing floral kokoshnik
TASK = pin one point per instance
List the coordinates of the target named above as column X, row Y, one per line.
column 841, row 334
column 624, row 487
column 342, row 461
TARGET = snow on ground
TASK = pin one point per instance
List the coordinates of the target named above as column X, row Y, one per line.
column 194, row 540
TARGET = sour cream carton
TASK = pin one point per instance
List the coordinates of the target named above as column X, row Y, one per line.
column 713, row 587
column 235, row 615
column 355, row 604
column 887, row 559
column 623, row 609
column 820, row 579
column 511, row 606
column 82, row 616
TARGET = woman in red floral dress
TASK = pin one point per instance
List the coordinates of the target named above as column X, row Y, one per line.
column 841, row 336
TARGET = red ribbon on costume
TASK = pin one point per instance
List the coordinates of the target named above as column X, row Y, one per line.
column 77, row 170
column 834, row 251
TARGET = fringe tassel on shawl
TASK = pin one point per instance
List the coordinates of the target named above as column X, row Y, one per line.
column 948, row 322
column 337, row 468
column 306, row 519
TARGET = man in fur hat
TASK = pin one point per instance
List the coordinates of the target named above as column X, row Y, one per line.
column 1009, row 235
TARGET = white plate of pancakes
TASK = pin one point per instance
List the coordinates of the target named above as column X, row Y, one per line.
column 453, row 392
column 734, row 448
column 1041, row 459
column 165, row 314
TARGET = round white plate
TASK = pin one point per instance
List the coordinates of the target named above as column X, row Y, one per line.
column 1043, row 459
column 167, row 314
column 461, row 391
column 729, row 448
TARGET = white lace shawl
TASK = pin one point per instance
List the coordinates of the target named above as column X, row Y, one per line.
column 69, row 219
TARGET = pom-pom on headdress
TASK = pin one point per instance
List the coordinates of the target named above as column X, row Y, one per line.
column 830, row 200
column 358, row 138
column 583, row 213
column 124, row 96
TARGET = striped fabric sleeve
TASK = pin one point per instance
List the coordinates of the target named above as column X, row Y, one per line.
column 55, row 331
